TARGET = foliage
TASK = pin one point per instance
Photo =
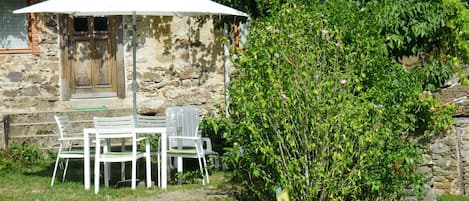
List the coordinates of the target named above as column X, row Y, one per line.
column 21, row 157
column 436, row 32
column 216, row 129
column 321, row 107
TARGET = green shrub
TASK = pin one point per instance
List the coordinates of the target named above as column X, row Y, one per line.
column 21, row 157
column 321, row 107
column 216, row 129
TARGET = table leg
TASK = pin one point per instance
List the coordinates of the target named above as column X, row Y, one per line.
column 86, row 163
column 164, row 160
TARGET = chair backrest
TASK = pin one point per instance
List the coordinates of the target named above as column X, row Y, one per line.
column 151, row 121
column 117, row 124
column 186, row 121
column 190, row 121
column 65, row 127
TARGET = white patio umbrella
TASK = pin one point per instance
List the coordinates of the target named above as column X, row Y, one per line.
column 132, row 7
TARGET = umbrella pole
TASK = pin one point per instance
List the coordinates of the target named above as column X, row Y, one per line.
column 227, row 64
column 134, row 67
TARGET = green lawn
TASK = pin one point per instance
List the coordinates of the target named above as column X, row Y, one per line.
column 35, row 186
column 453, row 198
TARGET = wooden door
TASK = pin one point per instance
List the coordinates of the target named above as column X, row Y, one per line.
column 92, row 57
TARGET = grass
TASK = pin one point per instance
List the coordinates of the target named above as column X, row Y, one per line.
column 35, row 186
column 452, row 198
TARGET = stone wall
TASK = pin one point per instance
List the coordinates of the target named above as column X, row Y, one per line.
column 447, row 162
column 31, row 82
column 179, row 62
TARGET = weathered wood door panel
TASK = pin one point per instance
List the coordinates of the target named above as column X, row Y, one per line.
column 93, row 66
column 81, row 64
column 104, row 69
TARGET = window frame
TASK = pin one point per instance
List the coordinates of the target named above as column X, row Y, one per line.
column 33, row 36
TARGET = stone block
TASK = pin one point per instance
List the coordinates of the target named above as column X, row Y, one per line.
column 438, row 171
column 52, row 57
column 465, row 155
column 186, row 83
column 436, row 157
column 438, row 178
column 15, row 76
column 54, row 79
column 33, row 78
column 30, row 91
column 9, row 93
column 465, row 144
column 189, row 73
column 151, row 106
column 196, row 82
column 442, row 163
column 51, row 90
column 439, row 148
column 154, row 77
column 425, row 169
column 444, row 186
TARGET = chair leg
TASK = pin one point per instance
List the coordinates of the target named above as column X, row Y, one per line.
column 107, row 166
column 201, row 171
column 148, row 161
column 96, row 176
column 134, row 173
column 107, row 169
column 170, row 166
column 65, row 170
column 97, row 163
column 55, row 168
column 180, row 169
column 123, row 163
column 158, row 167
column 205, row 167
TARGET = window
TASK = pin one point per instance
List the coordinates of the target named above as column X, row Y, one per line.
column 100, row 24
column 17, row 33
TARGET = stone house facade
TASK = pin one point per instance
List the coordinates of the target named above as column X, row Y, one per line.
column 180, row 61
column 62, row 64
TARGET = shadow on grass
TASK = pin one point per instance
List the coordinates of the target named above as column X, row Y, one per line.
column 75, row 172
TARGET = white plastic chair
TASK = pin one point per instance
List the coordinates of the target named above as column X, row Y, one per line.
column 153, row 121
column 186, row 141
column 66, row 140
column 212, row 156
column 108, row 128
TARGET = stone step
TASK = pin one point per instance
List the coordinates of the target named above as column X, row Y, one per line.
column 40, row 128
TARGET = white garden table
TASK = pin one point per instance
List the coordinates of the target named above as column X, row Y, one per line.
column 146, row 130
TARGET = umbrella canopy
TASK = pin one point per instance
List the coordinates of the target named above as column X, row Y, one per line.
column 132, row 7
column 129, row 7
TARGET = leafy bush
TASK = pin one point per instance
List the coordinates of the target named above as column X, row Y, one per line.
column 321, row 107
column 217, row 129
column 21, row 157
